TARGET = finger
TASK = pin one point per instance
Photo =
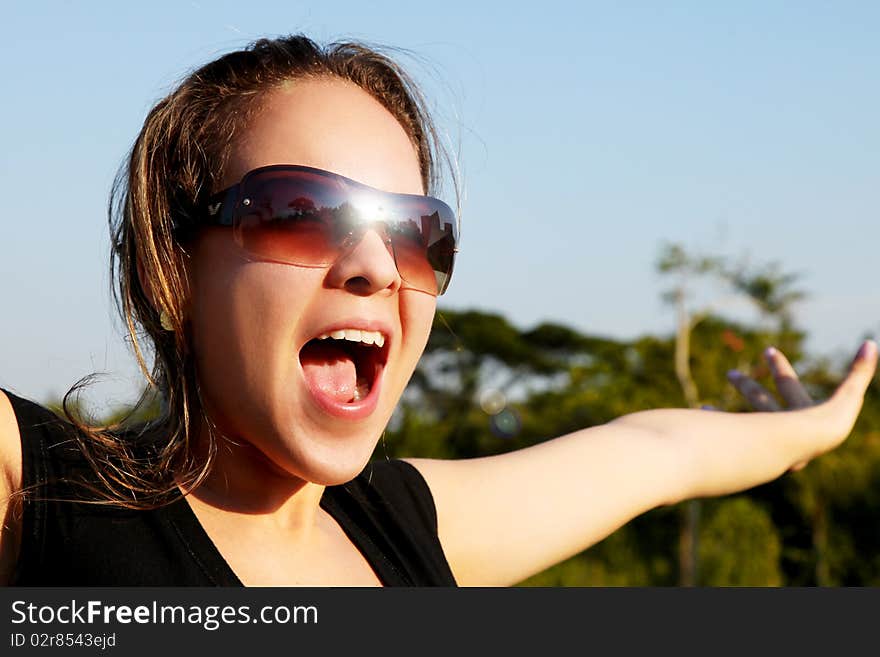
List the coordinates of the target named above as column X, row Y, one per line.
column 786, row 379
column 830, row 423
column 848, row 397
column 754, row 392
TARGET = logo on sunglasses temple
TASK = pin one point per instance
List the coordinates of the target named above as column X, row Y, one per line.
column 213, row 209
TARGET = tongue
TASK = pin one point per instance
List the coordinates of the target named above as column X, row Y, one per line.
column 329, row 369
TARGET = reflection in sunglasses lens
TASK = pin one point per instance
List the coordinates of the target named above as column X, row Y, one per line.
column 308, row 219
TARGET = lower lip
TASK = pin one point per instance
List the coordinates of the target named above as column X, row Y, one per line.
column 358, row 410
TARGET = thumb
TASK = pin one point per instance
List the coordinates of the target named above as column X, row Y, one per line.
column 851, row 392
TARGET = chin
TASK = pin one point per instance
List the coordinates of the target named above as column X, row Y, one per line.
column 334, row 473
column 330, row 461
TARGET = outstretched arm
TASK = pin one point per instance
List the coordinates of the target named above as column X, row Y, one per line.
column 503, row 518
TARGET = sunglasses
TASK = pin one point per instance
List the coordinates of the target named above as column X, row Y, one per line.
column 309, row 217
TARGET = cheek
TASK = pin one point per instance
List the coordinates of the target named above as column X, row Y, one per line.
column 416, row 316
column 243, row 338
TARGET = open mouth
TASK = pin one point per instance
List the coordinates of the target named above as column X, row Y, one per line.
column 343, row 366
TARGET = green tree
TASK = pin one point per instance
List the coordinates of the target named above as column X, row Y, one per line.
column 739, row 545
column 769, row 289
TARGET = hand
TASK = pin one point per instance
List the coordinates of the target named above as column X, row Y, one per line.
column 795, row 396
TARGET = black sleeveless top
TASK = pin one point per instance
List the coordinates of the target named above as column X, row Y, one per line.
column 387, row 511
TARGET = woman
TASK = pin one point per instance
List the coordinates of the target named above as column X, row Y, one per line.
column 275, row 243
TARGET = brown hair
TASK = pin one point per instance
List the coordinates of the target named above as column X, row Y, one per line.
column 176, row 161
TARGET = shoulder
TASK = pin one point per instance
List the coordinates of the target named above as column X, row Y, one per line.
column 10, row 482
column 10, row 450
column 389, row 511
column 34, row 444
column 395, row 474
column 399, row 487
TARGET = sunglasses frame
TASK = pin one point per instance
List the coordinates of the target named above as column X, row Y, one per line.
column 221, row 207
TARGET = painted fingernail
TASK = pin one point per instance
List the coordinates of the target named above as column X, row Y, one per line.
column 770, row 357
column 708, row 407
column 866, row 349
column 733, row 375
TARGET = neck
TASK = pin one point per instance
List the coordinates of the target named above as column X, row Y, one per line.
column 245, row 482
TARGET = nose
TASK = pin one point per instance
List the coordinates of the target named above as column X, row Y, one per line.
column 367, row 268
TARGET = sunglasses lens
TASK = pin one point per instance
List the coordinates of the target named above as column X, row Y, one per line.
column 307, row 218
column 292, row 217
column 424, row 238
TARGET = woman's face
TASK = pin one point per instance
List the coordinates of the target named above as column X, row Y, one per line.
column 310, row 408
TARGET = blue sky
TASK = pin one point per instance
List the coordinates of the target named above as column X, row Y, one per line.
column 587, row 133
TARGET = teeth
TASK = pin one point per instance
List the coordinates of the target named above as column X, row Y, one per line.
column 356, row 335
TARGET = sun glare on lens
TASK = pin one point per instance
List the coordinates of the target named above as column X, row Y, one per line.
column 369, row 207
